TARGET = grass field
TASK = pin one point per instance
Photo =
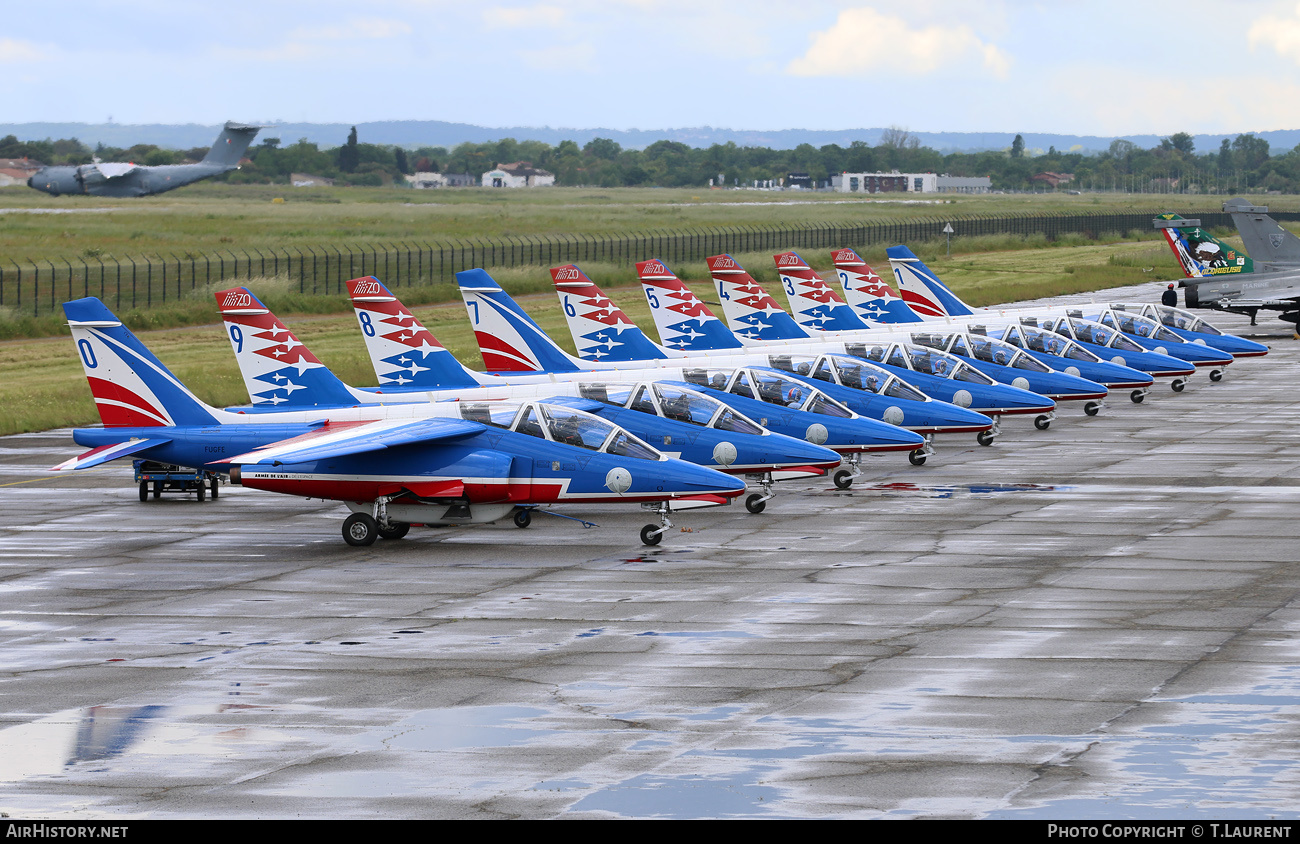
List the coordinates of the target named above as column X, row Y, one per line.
column 206, row 218
column 42, row 385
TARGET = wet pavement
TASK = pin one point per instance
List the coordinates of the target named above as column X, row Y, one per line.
column 1096, row 621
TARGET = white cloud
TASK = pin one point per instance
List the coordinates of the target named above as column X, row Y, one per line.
column 354, row 28
column 864, row 40
column 524, row 16
column 1281, row 33
column 12, row 50
column 561, row 57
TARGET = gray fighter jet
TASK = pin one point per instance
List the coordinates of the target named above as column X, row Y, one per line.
column 1220, row 277
column 120, row 179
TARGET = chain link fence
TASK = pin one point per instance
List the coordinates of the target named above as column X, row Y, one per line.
column 147, row 281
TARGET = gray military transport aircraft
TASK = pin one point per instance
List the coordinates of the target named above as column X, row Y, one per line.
column 122, row 179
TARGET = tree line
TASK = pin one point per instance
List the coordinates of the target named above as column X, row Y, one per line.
column 1173, row 166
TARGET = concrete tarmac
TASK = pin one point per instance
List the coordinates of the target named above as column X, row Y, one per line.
column 1094, row 621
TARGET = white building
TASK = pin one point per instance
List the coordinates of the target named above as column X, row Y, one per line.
column 894, row 182
column 521, row 174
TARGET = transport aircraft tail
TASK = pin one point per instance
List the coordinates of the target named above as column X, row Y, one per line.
column 751, row 312
column 230, row 145
column 600, row 329
column 683, row 321
column 507, row 336
column 867, row 293
column 815, row 305
column 1201, row 254
column 403, row 352
column 279, row 371
column 921, row 289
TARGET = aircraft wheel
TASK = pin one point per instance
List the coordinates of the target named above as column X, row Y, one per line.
column 360, row 530
column 755, row 504
column 1178, row 385
column 1216, row 374
column 651, row 534
column 1092, row 408
column 144, row 490
column 215, row 488
column 157, row 490
column 917, row 458
column 843, row 479
column 201, row 491
column 1137, row 396
column 523, row 519
column 395, row 530
column 986, row 437
column 1042, row 423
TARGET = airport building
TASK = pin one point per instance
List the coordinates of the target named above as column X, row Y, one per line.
column 896, row 182
column 521, row 174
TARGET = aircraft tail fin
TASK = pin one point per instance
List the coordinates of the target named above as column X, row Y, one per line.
column 132, row 388
column 1266, row 242
column 1201, row 254
column 683, row 321
column 867, row 293
column 231, row 144
column 752, row 313
column 403, row 352
column 278, row 370
column 600, row 329
column 921, row 289
column 507, row 336
column 815, row 305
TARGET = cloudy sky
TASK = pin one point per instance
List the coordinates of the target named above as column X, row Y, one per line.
column 1104, row 68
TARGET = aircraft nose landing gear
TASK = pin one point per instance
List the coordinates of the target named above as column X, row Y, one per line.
column 1216, row 375
column 844, row 478
column 1044, row 421
column 1138, row 395
column 757, row 502
column 918, row 457
column 652, row 534
column 987, row 437
column 1092, row 408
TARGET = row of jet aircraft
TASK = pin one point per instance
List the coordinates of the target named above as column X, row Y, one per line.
column 689, row 422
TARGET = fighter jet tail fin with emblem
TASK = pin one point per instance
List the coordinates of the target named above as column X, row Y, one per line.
column 507, row 336
column 600, row 329
column 132, row 388
column 403, row 352
column 1267, row 243
column 867, row 293
column 685, row 324
column 1199, row 253
column 752, row 313
column 921, row 289
column 815, row 305
column 279, row 371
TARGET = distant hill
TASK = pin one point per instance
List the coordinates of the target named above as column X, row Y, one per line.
column 416, row 133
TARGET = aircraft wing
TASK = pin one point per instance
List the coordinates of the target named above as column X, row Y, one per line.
column 114, row 169
column 339, row 440
column 105, row 453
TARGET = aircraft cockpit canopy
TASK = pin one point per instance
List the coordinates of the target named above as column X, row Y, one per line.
column 775, row 388
column 1174, row 318
column 561, row 425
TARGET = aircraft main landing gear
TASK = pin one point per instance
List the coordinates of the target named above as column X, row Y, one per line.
column 523, row 519
column 360, row 530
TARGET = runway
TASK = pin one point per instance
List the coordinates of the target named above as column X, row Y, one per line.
column 1099, row 620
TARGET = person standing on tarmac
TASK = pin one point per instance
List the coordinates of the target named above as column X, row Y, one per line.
column 1169, row 297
